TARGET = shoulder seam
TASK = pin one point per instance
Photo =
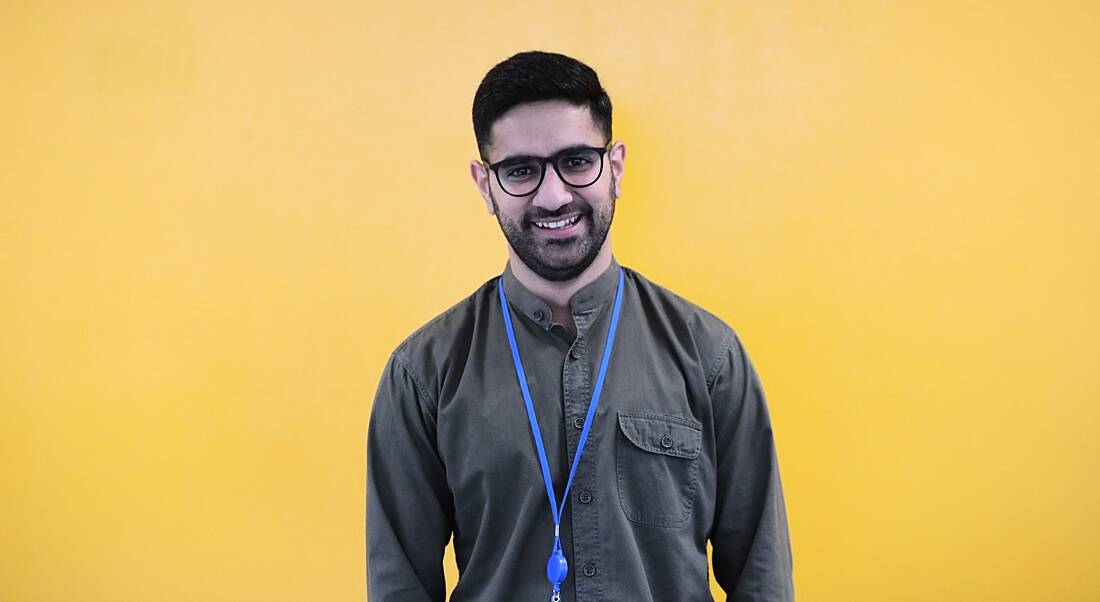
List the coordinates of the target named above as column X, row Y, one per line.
column 716, row 365
column 403, row 361
column 684, row 299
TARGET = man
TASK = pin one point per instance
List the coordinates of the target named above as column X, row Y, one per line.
column 480, row 413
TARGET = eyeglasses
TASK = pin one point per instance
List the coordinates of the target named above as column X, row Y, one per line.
column 578, row 166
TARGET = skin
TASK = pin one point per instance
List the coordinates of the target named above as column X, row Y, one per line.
column 554, row 270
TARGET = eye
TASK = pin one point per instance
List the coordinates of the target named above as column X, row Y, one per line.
column 578, row 161
column 518, row 172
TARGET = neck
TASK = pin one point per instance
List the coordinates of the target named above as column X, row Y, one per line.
column 557, row 294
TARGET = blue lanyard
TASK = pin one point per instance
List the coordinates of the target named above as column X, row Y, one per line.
column 557, row 567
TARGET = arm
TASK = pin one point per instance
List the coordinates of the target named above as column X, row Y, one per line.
column 752, row 549
column 409, row 508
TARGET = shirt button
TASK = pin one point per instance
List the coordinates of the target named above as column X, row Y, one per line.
column 589, row 570
column 575, row 353
column 539, row 315
column 578, row 423
column 585, row 497
column 666, row 442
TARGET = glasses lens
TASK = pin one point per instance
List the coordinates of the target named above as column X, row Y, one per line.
column 521, row 177
column 580, row 167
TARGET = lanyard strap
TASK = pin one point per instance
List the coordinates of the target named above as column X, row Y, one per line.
column 535, row 432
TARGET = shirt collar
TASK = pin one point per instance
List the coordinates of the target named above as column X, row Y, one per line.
column 591, row 296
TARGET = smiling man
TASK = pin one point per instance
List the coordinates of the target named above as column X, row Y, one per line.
column 579, row 430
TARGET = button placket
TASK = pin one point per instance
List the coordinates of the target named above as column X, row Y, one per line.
column 585, row 513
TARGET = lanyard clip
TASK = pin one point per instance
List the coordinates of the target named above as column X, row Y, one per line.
column 557, row 567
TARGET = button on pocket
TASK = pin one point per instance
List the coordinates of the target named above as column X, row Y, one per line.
column 657, row 464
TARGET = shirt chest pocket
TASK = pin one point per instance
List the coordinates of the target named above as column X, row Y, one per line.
column 657, row 465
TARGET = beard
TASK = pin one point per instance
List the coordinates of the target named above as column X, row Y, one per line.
column 559, row 259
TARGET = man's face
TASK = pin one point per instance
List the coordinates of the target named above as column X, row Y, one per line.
column 542, row 129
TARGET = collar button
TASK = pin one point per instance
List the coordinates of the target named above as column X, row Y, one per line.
column 539, row 315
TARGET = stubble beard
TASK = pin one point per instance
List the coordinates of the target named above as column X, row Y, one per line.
column 543, row 255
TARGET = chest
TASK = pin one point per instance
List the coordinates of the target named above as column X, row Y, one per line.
column 485, row 438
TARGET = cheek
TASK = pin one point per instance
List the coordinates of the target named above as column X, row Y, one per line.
column 513, row 217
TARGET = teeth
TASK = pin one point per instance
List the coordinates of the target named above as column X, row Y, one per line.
column 558, row 224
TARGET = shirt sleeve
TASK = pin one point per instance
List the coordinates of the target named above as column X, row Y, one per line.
column 409, row 506
column 752, row 549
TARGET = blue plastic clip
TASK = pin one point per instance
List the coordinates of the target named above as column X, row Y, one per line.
column 557, row 567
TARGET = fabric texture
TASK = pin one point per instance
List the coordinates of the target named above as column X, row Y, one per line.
column 681, row 452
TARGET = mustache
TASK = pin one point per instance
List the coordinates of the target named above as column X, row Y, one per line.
column 564, row 210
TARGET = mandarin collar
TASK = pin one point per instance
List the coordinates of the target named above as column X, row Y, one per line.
column 591, row 296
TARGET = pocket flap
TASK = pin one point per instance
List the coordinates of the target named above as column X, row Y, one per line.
column 661, row 434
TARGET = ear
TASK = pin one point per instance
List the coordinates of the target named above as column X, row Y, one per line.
column 480, row 174
column 617, row 158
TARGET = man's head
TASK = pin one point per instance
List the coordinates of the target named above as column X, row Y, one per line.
column 542, row 105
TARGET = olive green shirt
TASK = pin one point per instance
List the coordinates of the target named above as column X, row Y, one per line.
column 680, row 453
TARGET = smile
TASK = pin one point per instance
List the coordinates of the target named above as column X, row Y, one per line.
column 558, row 224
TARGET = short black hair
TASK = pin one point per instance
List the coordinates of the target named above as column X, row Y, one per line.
column 533, row 76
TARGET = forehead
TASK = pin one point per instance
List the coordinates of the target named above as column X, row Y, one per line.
column 542, row 128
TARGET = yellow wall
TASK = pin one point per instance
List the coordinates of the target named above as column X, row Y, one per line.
column 218, row 218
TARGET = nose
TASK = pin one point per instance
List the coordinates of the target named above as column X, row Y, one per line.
column 552, row 193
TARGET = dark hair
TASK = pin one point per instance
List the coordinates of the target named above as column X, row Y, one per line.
column 533, row 76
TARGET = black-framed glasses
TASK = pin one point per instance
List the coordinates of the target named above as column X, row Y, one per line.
column 577, row 166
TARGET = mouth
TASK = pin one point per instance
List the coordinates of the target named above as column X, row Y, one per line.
column 559, row 227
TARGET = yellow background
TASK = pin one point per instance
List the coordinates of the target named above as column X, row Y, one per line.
column 218, row 219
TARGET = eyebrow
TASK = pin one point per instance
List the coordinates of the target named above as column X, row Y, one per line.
column 513, row 158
